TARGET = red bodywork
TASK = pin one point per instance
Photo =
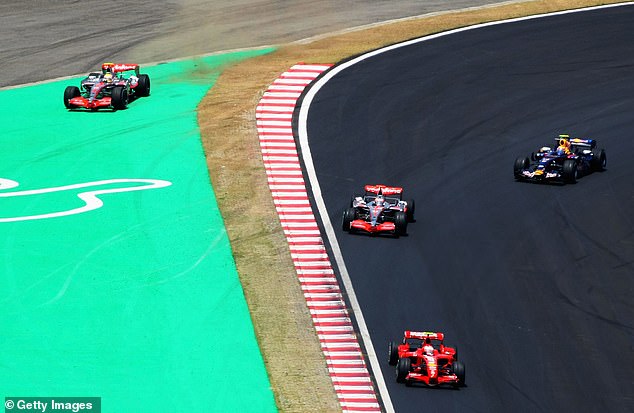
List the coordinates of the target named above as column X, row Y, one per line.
column 422, row 357
column 94, row 103
column 360, row 224
column 119, row 67
column 363, row 225
column 384, row 189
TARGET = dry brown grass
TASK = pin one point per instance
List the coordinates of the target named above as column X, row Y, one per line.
column 296, row 366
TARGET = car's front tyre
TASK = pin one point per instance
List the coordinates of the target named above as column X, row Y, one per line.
column 459, row 370
column 569, row 171
column 403, row 367
column 69, row 93
column 400, row 222
column 348, row 217
column 519, row 166
column 119, row 98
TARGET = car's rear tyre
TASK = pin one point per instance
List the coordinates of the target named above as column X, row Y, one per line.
column 569, row 171
column 599, row 160
column 411, row 209
column 403, row 366
column 400, row 222
column 348, row 216
column 520, row 165
column 459, row 370
column 143, row 88
column 392, row 353
column 119, row 98
column 69, row 93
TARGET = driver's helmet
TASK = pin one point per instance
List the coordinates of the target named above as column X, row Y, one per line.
column 379, row 201
column 428, row 349
column 564, row 141
column 564, row 146
column 108, row 77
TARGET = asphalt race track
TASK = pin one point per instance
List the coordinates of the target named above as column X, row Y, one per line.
column 534, row 283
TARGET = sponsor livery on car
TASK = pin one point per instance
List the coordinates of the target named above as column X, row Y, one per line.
column 113, row 88
column 422, row 357
column 571, row 159
column 380, row 210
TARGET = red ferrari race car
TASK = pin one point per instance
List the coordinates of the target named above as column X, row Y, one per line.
column 113, row 88
column 380, row 210
column 422, row 357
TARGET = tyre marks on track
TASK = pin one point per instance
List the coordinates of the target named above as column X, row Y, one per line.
column 346, row 364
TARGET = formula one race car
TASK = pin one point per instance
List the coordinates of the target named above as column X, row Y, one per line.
column 110, row 89
column 571, row 159
column 422, row 357
column 380, row 210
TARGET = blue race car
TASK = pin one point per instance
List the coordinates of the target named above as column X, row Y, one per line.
column 565, row 164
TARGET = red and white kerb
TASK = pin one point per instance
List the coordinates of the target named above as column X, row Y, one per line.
column 334, row 328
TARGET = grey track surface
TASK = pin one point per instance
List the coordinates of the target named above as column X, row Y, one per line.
column 42, row 39
column 534, row 283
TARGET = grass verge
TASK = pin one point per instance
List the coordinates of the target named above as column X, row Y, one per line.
column 289, row 344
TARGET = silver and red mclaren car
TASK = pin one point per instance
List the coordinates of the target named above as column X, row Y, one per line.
column 380, row 210
column 113, row 88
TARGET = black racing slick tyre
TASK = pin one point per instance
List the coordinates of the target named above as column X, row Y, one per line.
column 143, row 88
column 459, row 370
column 348, row 217
column 520, row 165
column 119, row 98
column 392, row 353
column 400, row 222
column 403, row 366
column 569, row 171
column 599, row 160
column 411, row 209
column 69, row 93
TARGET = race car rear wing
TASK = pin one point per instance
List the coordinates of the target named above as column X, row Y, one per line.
column 383, row 189
column 120, row 67
column 424, row 334
column 584, row 143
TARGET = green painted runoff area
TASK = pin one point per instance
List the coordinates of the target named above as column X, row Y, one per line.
column 137, row 302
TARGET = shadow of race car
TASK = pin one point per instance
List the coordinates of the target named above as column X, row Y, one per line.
column 423, row 357
column 113, row 88
column 381, row 210
column 560, row 165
